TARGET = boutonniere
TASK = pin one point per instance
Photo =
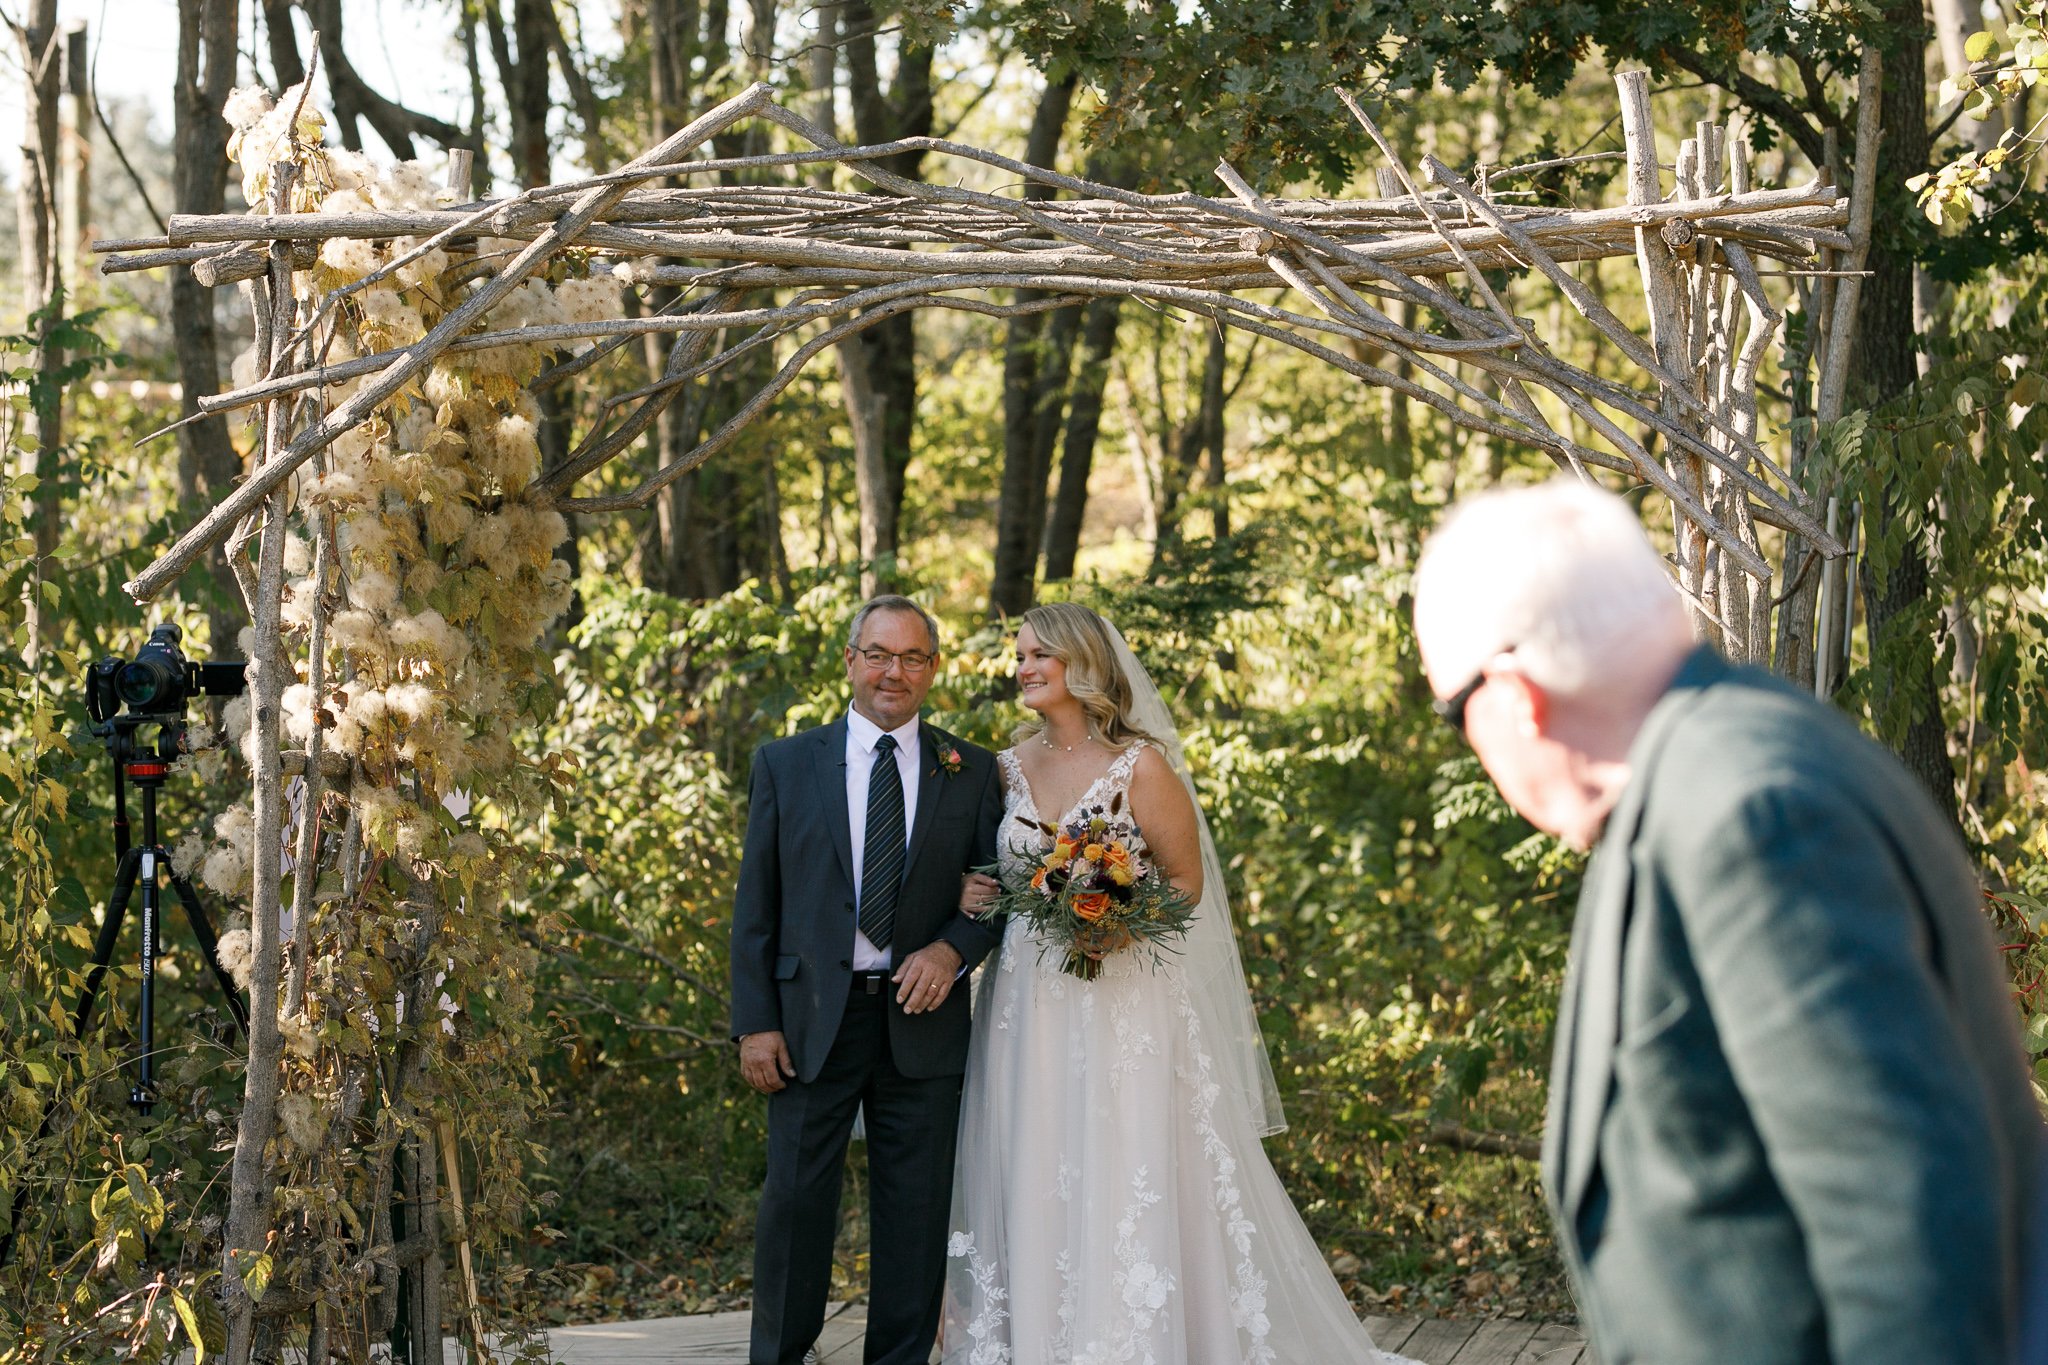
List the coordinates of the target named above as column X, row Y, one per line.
column 949, row 758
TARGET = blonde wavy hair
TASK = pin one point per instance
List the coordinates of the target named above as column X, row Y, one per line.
column 1080, row 639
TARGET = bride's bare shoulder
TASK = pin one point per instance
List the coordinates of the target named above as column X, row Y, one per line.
column 1155, row 784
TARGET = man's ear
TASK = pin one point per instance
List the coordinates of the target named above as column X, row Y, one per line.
column 1531, row 704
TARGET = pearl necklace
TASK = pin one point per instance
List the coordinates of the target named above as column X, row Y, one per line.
column 1064, row 748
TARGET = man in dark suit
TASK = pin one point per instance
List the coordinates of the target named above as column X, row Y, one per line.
column 848, row 944
column 1789, row 1116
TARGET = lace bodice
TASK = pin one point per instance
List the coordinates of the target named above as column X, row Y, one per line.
column 1020, row 841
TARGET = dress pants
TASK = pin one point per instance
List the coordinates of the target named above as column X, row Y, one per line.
column 911, row 1126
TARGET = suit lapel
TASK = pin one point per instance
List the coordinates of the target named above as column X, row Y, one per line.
column 1589, row 1019
column 1578, row 1099
column 930, row 778
column 829, row 760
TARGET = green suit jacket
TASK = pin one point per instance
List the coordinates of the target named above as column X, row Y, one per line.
column 1789, row 1115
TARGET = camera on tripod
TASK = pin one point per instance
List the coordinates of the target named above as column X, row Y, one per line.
column 158, row 681
column 138, row 711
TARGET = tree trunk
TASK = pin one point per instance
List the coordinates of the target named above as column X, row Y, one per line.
column 473, row 61
column 1033, row 380
column 207, row 463
column 1901, row 615
column 78, row 119
column 1084, row 423
column 287, row 68
column 880, row 384
column 42, row 285
column 671, row 44
column 1199, row 434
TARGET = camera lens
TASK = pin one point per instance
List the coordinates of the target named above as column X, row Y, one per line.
column 150, row 682
column 155, row 679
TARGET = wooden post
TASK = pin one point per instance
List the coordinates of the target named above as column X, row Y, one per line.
column 1840, row 324
column 78, row 122
column 248, row 1231
column 1668, row 339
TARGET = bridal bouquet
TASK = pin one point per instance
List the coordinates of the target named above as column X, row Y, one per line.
column 1093, row 893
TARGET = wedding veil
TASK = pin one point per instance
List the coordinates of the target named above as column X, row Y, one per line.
column 1215, row 976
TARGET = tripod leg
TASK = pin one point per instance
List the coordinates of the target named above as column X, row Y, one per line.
column 209, row 947
column 109, row 935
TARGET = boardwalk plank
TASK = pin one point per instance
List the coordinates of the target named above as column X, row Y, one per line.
column 721, row 1339
column 1438, row 1340
column 1391, row 1334
column 1499, row 1341
column 1555, row 1345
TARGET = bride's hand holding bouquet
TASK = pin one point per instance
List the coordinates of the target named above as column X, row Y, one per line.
column 1094, row 893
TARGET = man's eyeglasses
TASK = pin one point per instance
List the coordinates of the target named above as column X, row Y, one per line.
column 1452, row 708
column 912, row 660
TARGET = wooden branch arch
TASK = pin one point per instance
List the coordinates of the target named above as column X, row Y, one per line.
column 1315, row 274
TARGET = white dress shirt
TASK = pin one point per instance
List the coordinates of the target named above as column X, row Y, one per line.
column 861, row 737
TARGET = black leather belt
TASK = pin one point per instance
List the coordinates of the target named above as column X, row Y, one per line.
column 871, row 983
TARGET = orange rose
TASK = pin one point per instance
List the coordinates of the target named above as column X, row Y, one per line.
column 1116, row 861
column 1092, row 905
column 1038, row 879
column 1061, row 852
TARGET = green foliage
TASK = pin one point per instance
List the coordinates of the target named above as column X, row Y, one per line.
column 2003, row 69
column 78, row 1284
column 1959, row 454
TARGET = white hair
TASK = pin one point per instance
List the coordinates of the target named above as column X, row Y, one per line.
column 1560, row 573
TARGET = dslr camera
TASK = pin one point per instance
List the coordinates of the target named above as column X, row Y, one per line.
column 158, row 682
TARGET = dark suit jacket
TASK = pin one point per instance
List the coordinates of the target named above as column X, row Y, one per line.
column 793, row 912
column 1789, row 1114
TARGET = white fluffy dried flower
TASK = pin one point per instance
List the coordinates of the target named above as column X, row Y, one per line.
column 298, row 1118
column 397, row 322
column 297, row 608
column 298, row 1034
column 359, row 633
column 298, row 554
column 367, row 537
column 299, row 712
column 430, row 638
column 245, row 105
column 235, row 949
column 591, row 300
column 350, row 256
column 349, row 170
column 235, row 716
column 412, row 703
column 187, row 854
column 373, row 590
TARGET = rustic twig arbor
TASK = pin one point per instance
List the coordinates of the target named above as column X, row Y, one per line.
column 796, row 269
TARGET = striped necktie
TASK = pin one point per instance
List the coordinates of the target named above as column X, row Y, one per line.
column 882, row 863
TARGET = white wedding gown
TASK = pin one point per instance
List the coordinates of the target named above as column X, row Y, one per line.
column 1110, row 1202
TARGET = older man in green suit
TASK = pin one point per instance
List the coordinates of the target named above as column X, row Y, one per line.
column 1789, row 1118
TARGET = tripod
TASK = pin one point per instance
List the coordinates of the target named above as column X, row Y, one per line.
column 141, row 866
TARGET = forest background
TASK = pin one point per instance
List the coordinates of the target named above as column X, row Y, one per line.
column 1249, row 518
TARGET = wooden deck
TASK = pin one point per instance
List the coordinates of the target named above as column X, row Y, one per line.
column 721, row 1339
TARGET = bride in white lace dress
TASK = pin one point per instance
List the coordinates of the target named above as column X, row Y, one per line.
column 1111, row 1201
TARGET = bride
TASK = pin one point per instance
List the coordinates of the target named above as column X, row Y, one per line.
column 1111, row 1201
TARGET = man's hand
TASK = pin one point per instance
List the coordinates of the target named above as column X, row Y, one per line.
column 764, row 1061
column 926, row 977
column 977, row 889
